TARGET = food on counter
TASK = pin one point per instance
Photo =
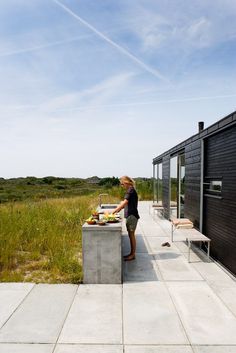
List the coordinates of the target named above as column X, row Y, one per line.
column 111, row 218
column 106, row 218
column 101, row 222
column 91, row 220
column 95, row 215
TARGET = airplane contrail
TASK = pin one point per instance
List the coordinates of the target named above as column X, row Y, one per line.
column 84, row 108
column 39, row 47
column 146, row 67
column 190, row 99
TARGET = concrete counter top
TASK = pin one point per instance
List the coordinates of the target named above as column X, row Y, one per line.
column 108, row 227
column 102, row 253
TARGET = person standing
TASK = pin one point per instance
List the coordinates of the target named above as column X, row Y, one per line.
column 130, row 205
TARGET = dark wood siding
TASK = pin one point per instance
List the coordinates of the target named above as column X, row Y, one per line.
column 220, row 213
column 192, row 182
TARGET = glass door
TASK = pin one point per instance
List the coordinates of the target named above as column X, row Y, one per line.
column 159, row 184
column 177, row 185
column 174, row 187
column 155, row 183
column 181, row 185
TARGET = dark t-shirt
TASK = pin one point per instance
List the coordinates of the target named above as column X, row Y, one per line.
column 131, row 208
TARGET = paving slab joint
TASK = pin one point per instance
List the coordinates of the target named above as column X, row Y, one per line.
column 21, row 302
column 62, row 326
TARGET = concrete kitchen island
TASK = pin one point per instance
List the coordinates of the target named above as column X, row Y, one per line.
column 102, row 253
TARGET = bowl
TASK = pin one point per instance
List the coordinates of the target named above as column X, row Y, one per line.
column 95, row 215
column 113, row 220
column 91, row 222
column 101, row 223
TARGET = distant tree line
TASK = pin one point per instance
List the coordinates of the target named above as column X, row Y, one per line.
column 32, row 188
column 109, row 182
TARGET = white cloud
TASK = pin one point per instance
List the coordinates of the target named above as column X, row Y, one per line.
column 182, row 25
column 99, row 94
column 197, row 34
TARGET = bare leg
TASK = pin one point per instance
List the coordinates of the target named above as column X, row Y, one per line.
column 132, row 240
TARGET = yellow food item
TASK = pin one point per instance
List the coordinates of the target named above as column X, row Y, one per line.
column 109, row 216
column 90, row 219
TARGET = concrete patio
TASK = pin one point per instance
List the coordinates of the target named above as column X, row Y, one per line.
column 165, row 305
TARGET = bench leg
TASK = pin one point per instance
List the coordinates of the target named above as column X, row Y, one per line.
column 189, row 247
column 208, row 249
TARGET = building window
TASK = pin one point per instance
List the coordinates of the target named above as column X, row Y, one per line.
column 157, row 178
column 159, row 188
column 216, row 185
column 213, row 187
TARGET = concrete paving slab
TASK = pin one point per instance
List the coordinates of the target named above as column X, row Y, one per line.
column 95, row 316
column 138, row 230
column 165, row 224
column 26, row 348
column 76, row 348
column 147, row 219
column 151, row 232
column 227, row 295
column 40, row 317
column 141, row 246
column 213, row 274
column 149, row 315
column 206, row 319
column 196, row 256
column 155, row 234
column 11, row 295
column 174, row 267
column 214, row 349
column 157, row 223
column 182, row 246
column 155, row 230
column 196, row 253
column 158, row 349
column 142, row 269
column 155, row 245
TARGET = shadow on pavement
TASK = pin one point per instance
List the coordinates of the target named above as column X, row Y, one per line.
column 143, row 268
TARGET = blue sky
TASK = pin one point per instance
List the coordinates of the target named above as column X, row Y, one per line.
column 102, row 87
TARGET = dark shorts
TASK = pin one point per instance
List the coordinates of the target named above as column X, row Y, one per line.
column 131, row 223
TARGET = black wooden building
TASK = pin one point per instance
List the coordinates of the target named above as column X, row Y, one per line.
column 197, row 180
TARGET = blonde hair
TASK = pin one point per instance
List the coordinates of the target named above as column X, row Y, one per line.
column 127, row 180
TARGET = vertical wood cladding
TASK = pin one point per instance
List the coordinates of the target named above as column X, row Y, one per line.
column 219, row 213
column 166, row 185
column 192, row 182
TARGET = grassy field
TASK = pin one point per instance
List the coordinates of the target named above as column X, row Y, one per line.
column 40, row 241
column 36, row 189
column 31, row 188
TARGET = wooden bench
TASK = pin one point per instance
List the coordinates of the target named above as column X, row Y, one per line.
column 156, row 207
column 185, row 227
column 159, row 210
column 180, row 223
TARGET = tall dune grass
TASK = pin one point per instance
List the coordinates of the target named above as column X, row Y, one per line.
column 41, row 241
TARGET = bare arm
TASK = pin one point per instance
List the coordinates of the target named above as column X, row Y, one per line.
column 121, row 205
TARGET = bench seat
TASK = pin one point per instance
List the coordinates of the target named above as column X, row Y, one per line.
column 185, row 228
